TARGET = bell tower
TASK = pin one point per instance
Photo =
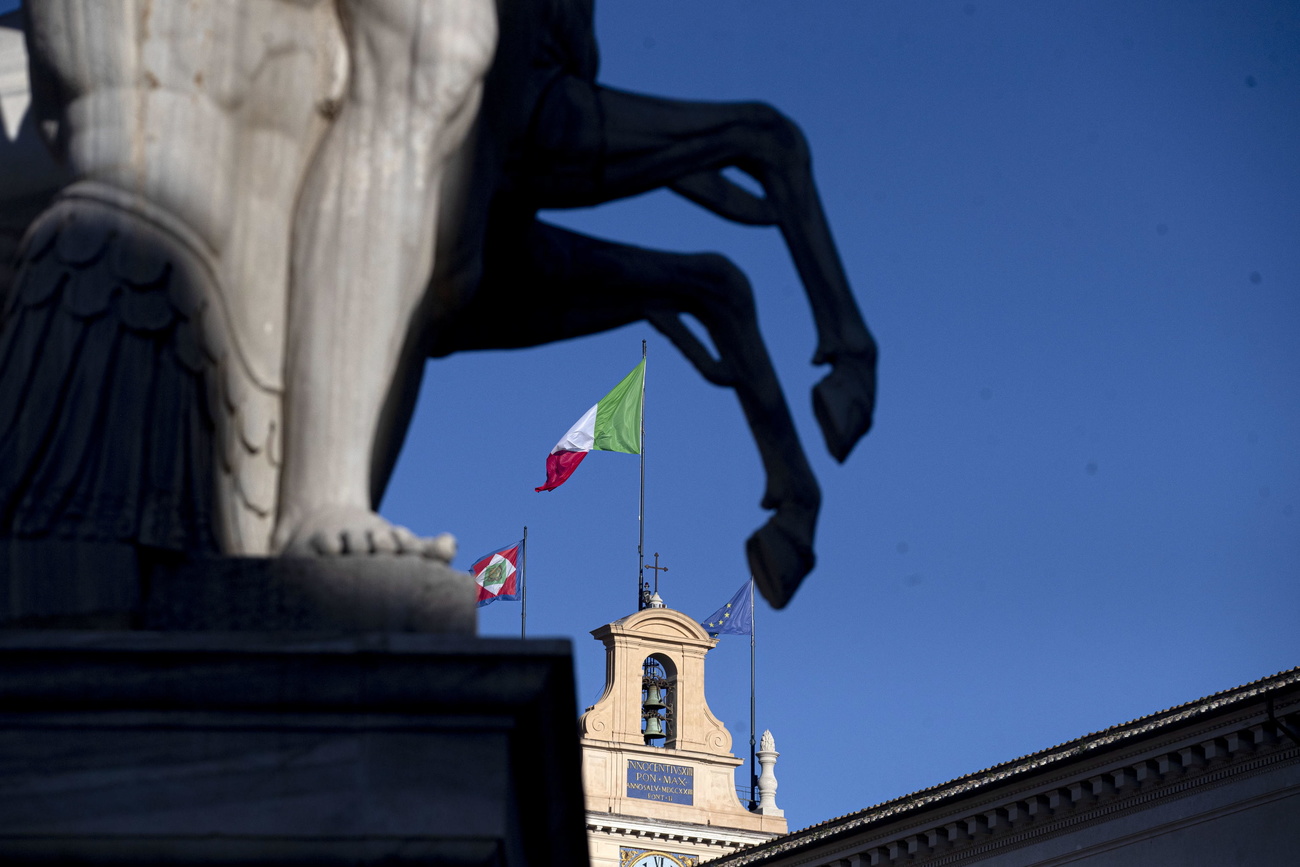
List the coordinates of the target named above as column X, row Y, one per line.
column 657, row 766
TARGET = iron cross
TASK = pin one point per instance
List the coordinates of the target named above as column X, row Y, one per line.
column 657, row 569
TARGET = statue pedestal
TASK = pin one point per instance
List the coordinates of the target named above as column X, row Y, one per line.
column 55, row 584
column 276, row 748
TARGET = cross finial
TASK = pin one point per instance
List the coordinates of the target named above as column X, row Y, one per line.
column 657, row 569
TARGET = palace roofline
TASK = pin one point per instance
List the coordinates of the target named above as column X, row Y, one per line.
column 1079, row 750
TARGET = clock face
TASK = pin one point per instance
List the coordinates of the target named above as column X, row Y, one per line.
column 656, row 859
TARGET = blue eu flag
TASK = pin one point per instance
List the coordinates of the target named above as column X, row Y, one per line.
column 734, row 618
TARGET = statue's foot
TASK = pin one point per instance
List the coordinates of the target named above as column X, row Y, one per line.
column 348, row 531
column 843, row 403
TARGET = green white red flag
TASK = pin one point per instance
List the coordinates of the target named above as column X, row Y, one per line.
column 497, row 575
column 612, row 425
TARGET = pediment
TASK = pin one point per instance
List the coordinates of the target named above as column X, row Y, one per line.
column 667, row 623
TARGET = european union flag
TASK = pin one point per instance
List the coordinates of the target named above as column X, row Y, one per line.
column 734, row 618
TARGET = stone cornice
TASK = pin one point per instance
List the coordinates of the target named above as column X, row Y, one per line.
column 1111, row 809
column 1198, row 745
column 662, row 754
column 664, row 624
column 646, row 831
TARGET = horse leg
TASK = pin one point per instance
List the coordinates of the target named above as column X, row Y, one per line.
column 780, row 552
column 645, row 143
column 560, row 284
column 845, row 399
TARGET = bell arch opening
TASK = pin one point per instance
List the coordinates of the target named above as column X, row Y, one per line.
column 658, row 701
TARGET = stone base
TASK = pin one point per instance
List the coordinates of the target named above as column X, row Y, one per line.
column 355, row 594
column 83, row 586
column 229, row 748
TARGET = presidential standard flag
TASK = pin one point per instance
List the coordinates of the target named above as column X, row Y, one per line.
column 734, row 618
column 497, row 575
column 612, row 425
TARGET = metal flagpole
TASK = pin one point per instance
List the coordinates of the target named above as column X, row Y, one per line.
column 640, row 516
column 753, row 777
column 523, row 587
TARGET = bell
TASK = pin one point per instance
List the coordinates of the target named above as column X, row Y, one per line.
column 654, row 699
column 654, row 729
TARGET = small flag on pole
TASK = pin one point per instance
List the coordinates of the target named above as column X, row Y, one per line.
column 496, row 575
column 734, row 618
column 612, row 425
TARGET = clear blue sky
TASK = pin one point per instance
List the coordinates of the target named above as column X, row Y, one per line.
column 1075, row 231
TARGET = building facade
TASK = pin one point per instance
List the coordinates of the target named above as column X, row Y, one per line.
column 657, row 766
column 1215, row 781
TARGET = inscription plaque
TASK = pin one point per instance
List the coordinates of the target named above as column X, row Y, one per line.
column 658, row 781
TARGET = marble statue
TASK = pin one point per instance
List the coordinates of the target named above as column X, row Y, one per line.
column 273, row 212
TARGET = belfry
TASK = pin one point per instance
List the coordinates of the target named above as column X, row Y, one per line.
column 657, row 766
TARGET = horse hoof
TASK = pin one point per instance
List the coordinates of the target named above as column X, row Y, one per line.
column 843, row 402
column 779, row 558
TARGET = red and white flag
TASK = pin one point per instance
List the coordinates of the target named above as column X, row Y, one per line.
column 497, row 574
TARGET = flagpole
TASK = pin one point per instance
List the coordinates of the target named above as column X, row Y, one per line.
column 753, row 778
column 523, row 591
column 640, row 516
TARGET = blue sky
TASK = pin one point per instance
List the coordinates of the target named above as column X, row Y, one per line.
column 1075, row 231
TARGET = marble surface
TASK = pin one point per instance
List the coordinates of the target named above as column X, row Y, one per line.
column 363, row 594
column 349, row 594
column 327, row 193
column 256, row 748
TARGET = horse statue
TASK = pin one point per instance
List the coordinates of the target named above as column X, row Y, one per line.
column 276, row 212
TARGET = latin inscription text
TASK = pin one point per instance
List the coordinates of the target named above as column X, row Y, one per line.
column 657, row 781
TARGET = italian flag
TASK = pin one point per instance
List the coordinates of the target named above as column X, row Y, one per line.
column 612, row 425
